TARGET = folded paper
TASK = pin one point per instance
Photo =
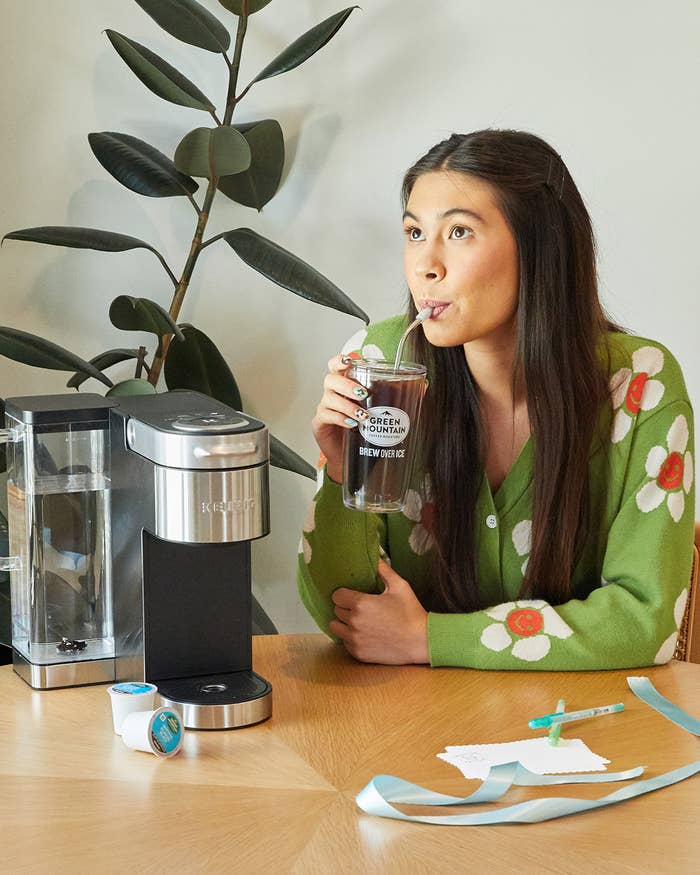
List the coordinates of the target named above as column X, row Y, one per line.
column 535, row 754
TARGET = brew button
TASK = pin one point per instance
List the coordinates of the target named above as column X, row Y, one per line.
column 491, row 521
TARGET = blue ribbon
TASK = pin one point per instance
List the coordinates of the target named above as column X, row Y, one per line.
column 376, row 797
column 643, row 688
column 383, row 789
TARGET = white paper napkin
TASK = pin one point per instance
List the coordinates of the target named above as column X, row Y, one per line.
column 536, row 754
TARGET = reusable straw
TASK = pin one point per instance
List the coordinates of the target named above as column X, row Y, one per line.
column 421, row 317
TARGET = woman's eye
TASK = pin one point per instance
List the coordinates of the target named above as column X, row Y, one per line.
column 459, row 232
column 413, row 233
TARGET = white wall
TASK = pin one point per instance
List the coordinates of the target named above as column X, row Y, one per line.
column 611, row 84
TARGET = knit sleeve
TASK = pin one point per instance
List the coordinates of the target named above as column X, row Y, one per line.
column 632, row 618
column 340, row 547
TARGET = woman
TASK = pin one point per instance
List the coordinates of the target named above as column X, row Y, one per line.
column 550, row 524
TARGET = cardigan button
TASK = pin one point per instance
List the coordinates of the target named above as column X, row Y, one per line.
column 491, row 521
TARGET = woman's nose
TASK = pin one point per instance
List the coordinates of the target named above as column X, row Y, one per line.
column 429, row 265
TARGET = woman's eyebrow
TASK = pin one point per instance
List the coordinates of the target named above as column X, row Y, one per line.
column 447, row 213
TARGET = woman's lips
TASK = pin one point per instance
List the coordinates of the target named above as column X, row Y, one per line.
column 438, row 307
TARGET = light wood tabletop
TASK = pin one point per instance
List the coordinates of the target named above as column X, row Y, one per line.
column 279, row 797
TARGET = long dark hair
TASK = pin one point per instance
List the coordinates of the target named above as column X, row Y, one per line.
column 560, row 325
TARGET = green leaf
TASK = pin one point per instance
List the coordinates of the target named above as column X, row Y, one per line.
column 80, row 238
column 212, row 152
column 257, row 185
column 196, row 363
column 306, row 45
column 290, row 272
column 140, row 314
column 190, row 22
column 157, row 75
column 281, row 456
column 32, row 350
column 139, row 166
column 131, row 387
column 102, row 361
column 238, row 6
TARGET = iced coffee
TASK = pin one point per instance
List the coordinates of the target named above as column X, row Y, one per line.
column 378, row 454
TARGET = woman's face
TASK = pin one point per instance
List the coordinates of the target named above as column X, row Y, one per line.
column 460, row 258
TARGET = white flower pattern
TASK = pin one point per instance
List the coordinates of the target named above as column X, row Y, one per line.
column 531, row 623
column 356, row 347
column 671, row 470
column 522, row 541
column 307, row 528
column 634, row 390
column 668, row 648
column 420, row 511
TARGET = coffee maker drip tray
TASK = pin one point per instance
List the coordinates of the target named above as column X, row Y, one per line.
column 218, row 701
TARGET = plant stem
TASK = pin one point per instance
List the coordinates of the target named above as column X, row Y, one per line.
column 196, row 247
column 140, row 362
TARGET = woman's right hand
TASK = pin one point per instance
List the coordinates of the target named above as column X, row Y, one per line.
column 339, row 409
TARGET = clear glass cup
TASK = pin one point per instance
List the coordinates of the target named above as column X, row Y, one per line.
column 378, row 454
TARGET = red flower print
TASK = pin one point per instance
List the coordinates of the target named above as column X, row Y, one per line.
column 671, row 473
column 634, row 392
column 634, row 389
column 525, row 622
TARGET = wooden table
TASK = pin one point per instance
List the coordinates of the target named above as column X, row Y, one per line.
column 279, row 797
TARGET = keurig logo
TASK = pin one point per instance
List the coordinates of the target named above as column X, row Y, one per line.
column 386, row 426
column 238, row 506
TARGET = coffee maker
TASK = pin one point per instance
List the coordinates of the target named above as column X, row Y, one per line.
column 189, row 493
column 141, row 571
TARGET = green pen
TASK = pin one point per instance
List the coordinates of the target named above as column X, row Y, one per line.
column 555, row 731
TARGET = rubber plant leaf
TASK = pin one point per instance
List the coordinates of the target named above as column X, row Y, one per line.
column 189, row 22
column 281, row 456
column 257, row 185
column 158, row 75
column 290, row 272
column 29, row 349
column 80, row 238
column 102, row 361
column 196, row 363
column 131, row 387
column 140, row 314
column 139, row 166
column 212, row 152
column 238, row 6
column 306, row 45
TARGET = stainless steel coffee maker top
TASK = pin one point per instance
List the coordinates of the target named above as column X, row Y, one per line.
column 208, row 465
column 208, row 440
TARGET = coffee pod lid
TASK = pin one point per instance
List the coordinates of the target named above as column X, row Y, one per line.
column 132, row 688
column 165, row 732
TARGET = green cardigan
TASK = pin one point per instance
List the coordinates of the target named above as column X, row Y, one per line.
column 631, row 584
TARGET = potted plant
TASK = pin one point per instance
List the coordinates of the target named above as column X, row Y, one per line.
column 242, row 161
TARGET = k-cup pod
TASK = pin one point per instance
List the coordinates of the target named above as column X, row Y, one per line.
column 378, row 453
column 130, row 697
column 159, row 732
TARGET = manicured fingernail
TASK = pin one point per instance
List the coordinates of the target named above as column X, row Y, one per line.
column 346, row 360
column 361, row 413
column 360, row 392
column 349, row 421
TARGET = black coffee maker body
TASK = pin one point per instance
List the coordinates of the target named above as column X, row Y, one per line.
column 189, row 493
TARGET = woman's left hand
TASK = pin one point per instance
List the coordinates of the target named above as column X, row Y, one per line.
column 390, row 628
